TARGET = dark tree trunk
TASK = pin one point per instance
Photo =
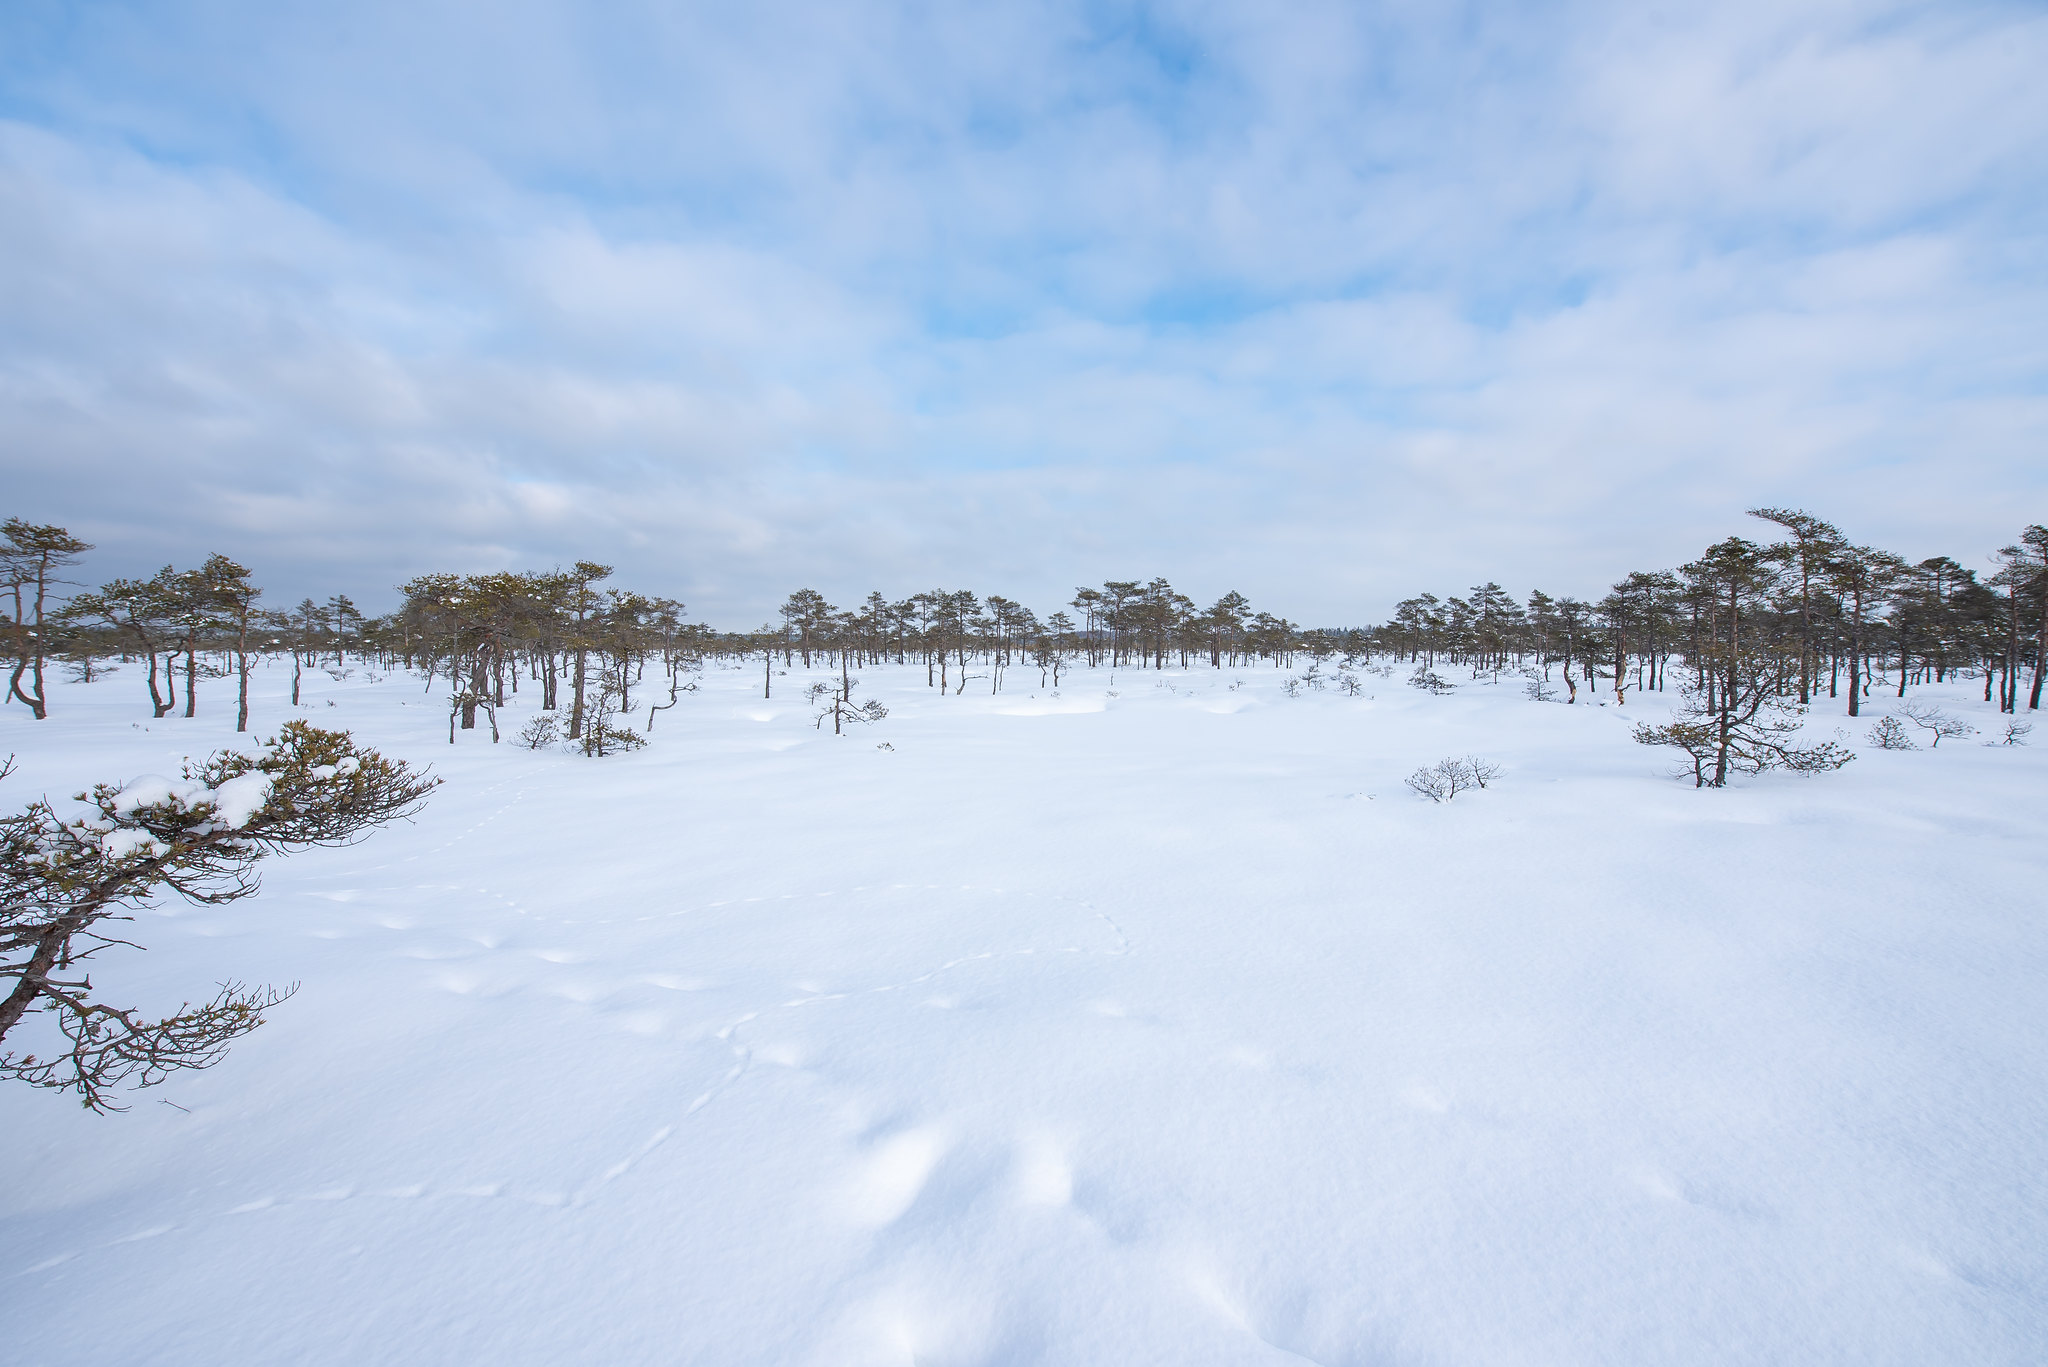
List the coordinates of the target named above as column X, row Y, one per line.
column 242, row 669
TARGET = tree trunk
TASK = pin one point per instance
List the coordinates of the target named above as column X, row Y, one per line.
column 2040, row 654
column 242, row 668
column 576, row 704
column 1856, row 656
column 29, row 655
column 2010, row 697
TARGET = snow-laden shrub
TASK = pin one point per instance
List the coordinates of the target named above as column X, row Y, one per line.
column 64, row 877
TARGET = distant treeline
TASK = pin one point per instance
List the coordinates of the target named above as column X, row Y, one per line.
column 1818, row 611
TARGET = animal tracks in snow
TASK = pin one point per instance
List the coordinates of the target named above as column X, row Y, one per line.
column 491, row 944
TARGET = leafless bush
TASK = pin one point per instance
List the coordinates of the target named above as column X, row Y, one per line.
column 2016, row 733
column 1932, row 719
column 1481, row 772
column 1449, row 777
column 1432, row 784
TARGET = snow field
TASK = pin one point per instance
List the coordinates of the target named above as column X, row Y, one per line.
column 1163, row 1027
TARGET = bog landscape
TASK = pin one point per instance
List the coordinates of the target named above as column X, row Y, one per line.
column 1040, row 683
column 930, row 983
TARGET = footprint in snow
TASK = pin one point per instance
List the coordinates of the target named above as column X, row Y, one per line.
column 894, row 1174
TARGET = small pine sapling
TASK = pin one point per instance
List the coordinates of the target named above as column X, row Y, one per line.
column 1429, row 681
column 1889, row 735
column 1743, row 728
column 841, row 707
column 676, row 688
column 542, row 731
column 602, row 733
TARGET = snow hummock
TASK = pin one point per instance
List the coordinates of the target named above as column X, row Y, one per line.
column 1167, row 1028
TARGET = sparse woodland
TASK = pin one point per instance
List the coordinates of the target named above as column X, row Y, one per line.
column 1749, row 628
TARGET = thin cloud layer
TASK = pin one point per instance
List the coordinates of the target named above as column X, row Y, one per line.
column 1327, row 304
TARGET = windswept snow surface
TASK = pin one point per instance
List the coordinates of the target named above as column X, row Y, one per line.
column 1155, row 1026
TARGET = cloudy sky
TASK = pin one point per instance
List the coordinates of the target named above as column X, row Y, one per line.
column 1326, row 303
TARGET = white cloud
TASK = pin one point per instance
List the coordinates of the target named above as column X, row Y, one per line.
column 1323, row 303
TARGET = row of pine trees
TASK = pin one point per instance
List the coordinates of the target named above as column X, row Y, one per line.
column 1821, row 613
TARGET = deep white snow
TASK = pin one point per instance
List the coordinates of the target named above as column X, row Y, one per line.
column 1155, row 1022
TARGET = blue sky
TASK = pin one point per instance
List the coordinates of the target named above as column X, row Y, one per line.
column 1326, row 303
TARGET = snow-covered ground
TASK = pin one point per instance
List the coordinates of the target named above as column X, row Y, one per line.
column 1155, row 1026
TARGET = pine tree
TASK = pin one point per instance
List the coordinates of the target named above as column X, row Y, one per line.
column 1736, row 718
column 31, row 555
column 233, row 597
column 62, row 879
